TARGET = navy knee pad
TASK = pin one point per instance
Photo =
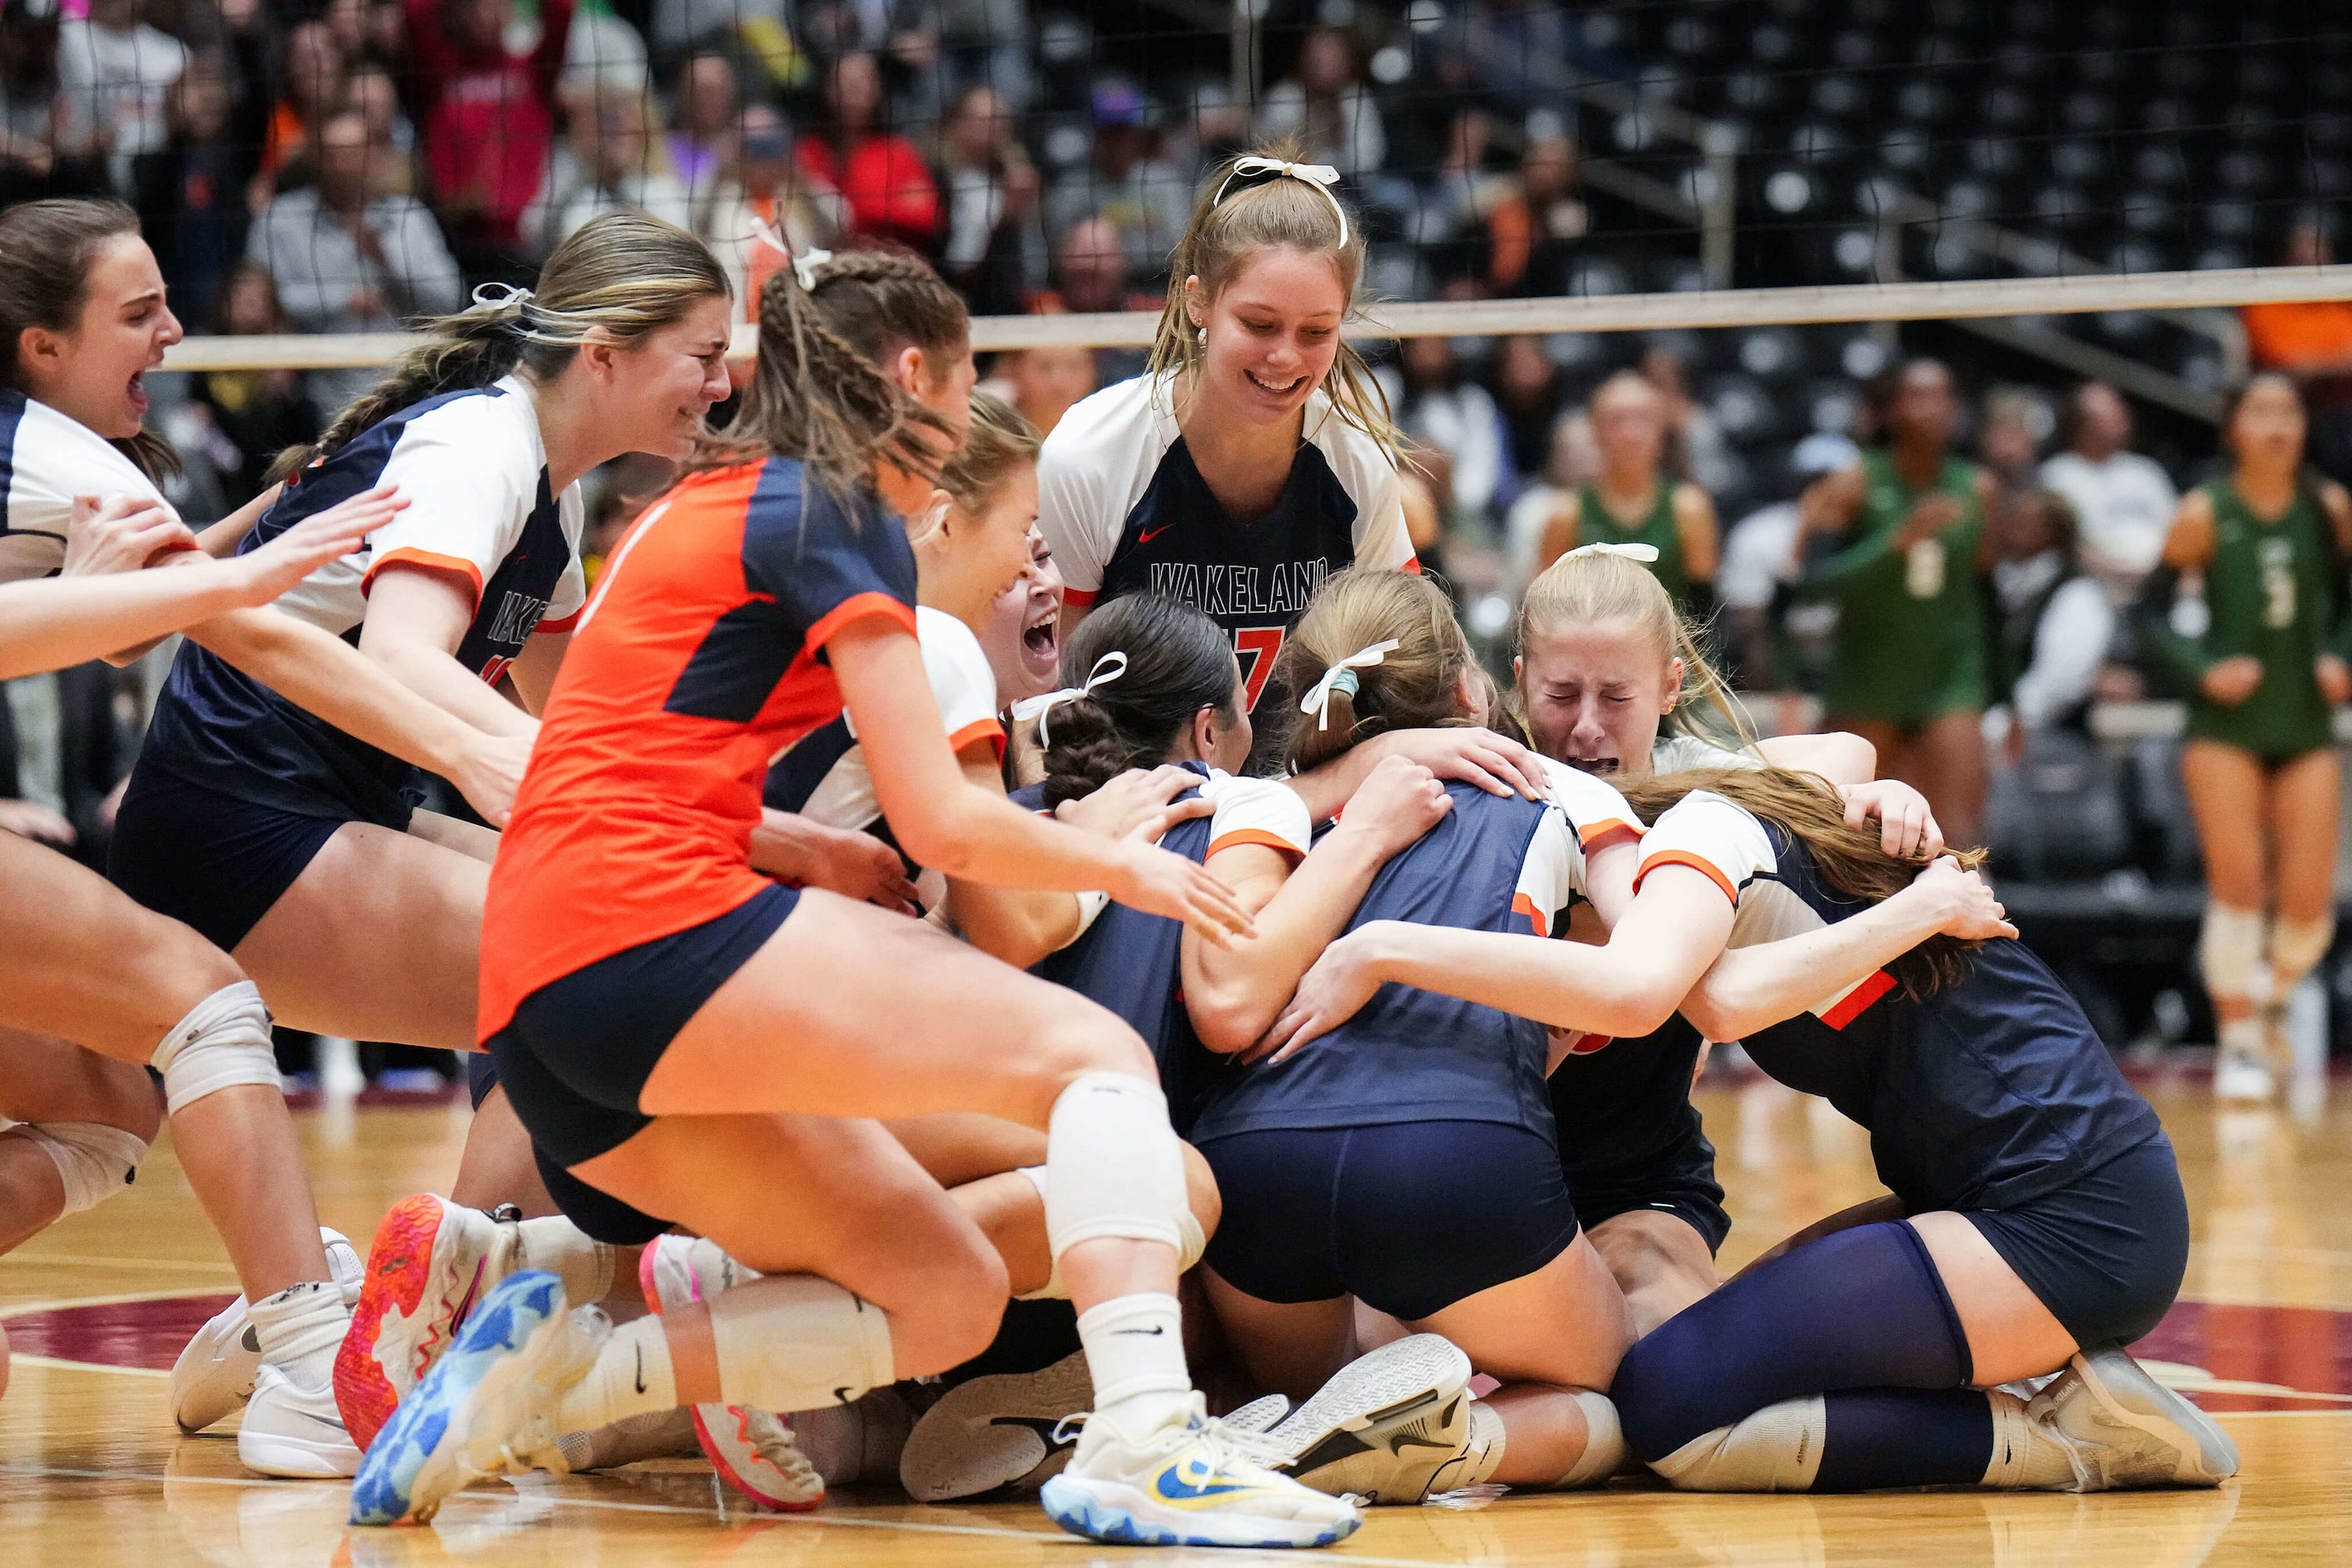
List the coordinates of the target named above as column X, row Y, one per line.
column 1859, row 1309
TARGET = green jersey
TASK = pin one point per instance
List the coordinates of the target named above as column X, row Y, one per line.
column 2270, row 591
column 1910, row 642
column 1595, row 524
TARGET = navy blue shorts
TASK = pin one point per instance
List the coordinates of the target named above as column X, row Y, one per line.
column 1680, row 1182
column 1408, row 1217
column 209, row 859
column 576, row 1054
column 2107, row 1252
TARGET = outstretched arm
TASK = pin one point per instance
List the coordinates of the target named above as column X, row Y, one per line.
column 1751, row 988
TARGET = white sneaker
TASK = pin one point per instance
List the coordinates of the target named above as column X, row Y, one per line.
column 996, row 1431
column 213, row 1377
column 2242, row 1076
column 2125, row 1430
column 753, row 1450
column 1263, row 1414
column 488, row 1408
column 430, row 1262
column 1385, row 1426
column 294, row 1431
column 1191, row 1483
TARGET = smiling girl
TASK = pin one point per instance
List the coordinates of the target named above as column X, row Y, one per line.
column 1256, row 456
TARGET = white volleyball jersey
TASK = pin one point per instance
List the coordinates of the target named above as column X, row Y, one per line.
column 45, row 460
column 823, row 777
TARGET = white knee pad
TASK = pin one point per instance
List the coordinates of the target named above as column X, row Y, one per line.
column 1604, row 1442
column 223, row 1042
column 2296, row 948
column 794, row 1341
column 94, row 1160
column 2227, row 950
column 1777, row 1449
column 1113, row 1167
column 1188, row 1251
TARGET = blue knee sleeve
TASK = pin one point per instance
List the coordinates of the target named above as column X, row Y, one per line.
column 1859, row 1309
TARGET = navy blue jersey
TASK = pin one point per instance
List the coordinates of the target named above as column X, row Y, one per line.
column 1985, row 1094
column 1131, row 961
column 1492, row 864
column 473, row 471
column 1622, row 1108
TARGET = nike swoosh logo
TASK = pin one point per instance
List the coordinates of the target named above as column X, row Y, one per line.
column 465, row 1301
column 1146, row 535
column 641, row 1369
column 1155, row 1330
column 1176, row 1489
column 1039, row 1425
column 1403, row 1440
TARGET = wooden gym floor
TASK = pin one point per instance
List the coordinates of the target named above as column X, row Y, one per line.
column 91, row 1470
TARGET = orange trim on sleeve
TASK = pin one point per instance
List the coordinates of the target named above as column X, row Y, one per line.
column 1602, row 835
column 856, row 607
column 1411, row 563
column 1522, row 905
column 978, row 730
column 1685, row 858
column 456, row 564
column 1855, row 1002
column 565, row 625
column 1082, row 598
column 1274, row 841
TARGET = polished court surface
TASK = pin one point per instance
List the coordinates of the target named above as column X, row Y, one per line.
column 92, row 1471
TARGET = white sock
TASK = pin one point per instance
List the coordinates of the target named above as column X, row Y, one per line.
column 794, row 1341
column 631, row 1377
column 1485, row 1455
column 2243, row 1038
column 1775, row 1449
column 556, row 1245
column 299, row 1329
column 1135, row 1353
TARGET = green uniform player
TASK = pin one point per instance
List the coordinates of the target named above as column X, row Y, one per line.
column 1596, row 525
column 2271, row 595
column 1910, row 642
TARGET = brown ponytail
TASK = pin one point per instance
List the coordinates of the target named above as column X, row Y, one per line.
column 628, row 273
column 819, row 393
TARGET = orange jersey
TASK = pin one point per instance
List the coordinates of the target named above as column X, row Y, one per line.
column 699, row 660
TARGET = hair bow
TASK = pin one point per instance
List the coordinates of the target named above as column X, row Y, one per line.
column 1107, row 668
column 1341, row 676
column 499, row 297
column 1646, row 554
column 804, row 268
column 1322, row 176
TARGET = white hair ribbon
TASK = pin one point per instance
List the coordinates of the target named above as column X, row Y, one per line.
column 1341, row 676
column 804, row 268
column 499, row 297
column 1107, row 668
column 1322, row 176
column 1646, row 554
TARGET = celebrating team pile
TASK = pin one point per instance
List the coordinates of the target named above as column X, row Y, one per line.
column 881, row 932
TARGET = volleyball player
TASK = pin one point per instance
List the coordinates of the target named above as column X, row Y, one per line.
column 2269, row 540
column 1255, row 457
column 1896, row 542
column 83, row 316
column 2036, row 1222
column 1634, row 500
column 646, row 992
column 1610, row 678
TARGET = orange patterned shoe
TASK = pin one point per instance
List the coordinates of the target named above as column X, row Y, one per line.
column 753, row 1451
column 431, row 1261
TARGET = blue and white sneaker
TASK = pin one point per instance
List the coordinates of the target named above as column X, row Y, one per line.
column 488, row 1408
column 1196, row 1482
